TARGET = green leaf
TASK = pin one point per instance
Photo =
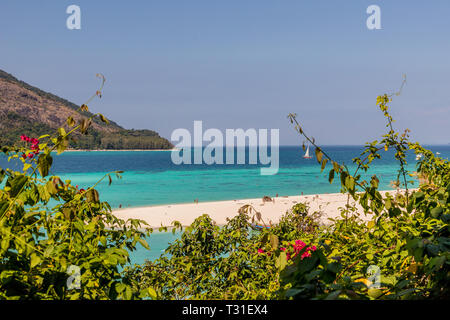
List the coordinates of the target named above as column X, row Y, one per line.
column 336, row 166
column 324, row 163
column 334, row 267
column 281, row 261
column 35, row 260
column 3, row 206
column 61, row 131
column 70, row 121
column 274, row 241
column 16, row 184
column 334, row 295
column 331, row 176
column 308, row 264
column 44, row 163
column 68, row 212
column 350, row 182
column 436, row 212
column 102, row 117
column 144, row 243
column 319, row 155
column 92, row 196
column 62, row 144
column 152, row 293
column 84, row 125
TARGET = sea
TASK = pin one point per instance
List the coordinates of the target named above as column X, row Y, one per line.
column 151, row 178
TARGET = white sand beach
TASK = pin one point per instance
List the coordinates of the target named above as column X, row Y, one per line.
column 219, row 211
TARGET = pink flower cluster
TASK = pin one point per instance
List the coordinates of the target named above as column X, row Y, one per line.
column 297, row 247
column 34, row 146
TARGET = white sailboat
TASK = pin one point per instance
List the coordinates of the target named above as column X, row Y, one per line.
column 307, row 156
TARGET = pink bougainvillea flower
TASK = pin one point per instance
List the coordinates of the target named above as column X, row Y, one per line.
column 306, row 254
column 297, row 248
column 260, row 250
column 299, row 245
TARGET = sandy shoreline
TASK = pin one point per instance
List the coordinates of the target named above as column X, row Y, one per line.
column 219, row 211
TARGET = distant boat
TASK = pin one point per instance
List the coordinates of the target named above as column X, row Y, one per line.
column 438, row 153
column 307, row 156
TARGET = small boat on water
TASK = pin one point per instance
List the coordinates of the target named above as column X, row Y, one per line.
column 259, row 227
column 307, row 156
column 438, row 153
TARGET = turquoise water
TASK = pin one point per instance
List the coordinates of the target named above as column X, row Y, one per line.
column 150, row 178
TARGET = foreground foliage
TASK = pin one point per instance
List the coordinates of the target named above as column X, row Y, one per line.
column 58, row 241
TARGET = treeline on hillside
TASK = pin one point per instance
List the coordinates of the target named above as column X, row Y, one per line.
column 126, row 139
column 122, row 139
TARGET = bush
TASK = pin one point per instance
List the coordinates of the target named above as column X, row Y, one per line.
column 73, row 250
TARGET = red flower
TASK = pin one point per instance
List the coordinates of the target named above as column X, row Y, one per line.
column 34, row 145
column 297, row 247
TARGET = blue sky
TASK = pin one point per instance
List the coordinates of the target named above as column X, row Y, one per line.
column 241, row 64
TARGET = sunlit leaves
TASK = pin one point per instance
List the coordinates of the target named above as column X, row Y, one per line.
column 45, row 161
column 92, row 196
column 103, row 118
column 70, row 121
column 84, row 125
column 324, row 163
column 16, row 184
column 319, row 155
column 331, row 176
column 281, row 261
